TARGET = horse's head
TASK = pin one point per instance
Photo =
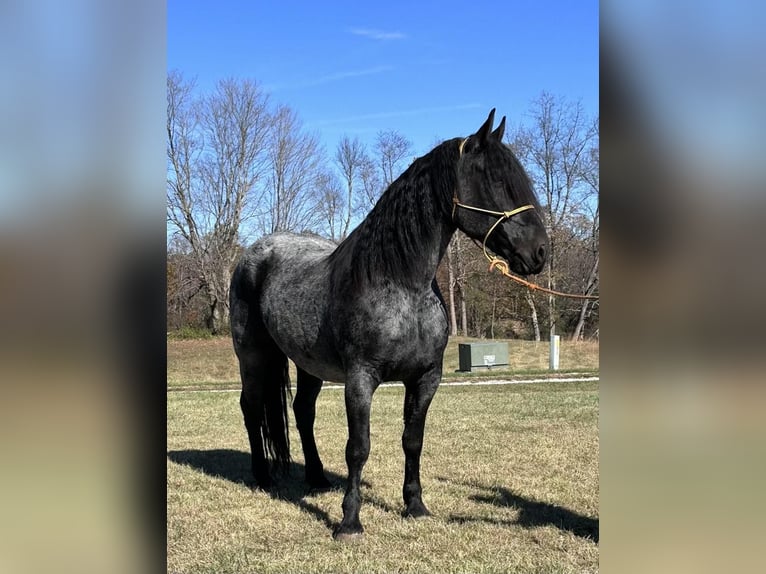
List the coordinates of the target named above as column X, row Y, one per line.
column 494, row 201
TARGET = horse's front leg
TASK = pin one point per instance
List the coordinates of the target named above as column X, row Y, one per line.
column 417, row 399
column 360, row 386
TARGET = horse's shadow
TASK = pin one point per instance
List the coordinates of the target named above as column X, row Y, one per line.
column 234, row 466
column 531, row 512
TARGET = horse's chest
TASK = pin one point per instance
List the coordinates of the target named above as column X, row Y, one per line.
column 399, row 334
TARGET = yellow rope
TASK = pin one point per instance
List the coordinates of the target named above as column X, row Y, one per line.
column 503, row 267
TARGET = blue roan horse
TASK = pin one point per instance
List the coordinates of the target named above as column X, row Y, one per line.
column 369, row 310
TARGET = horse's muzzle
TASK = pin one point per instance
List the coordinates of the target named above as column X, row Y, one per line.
column 529, row 261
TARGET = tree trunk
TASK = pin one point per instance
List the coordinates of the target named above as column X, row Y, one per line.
column 535, row 322
column 349, row 209
column 578, row 332
column 463, row 315
column 218, row 318
column 451, row 273
column 494, row 308
column 591, row 286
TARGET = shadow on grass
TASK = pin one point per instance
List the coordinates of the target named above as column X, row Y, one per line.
column 531, row 512
column 234, row 466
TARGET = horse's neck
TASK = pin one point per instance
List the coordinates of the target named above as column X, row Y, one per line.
column 405, row 235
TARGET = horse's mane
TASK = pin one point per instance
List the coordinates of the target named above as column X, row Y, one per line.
column 389, row 241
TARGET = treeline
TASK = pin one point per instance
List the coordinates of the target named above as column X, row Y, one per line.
column 241, row 166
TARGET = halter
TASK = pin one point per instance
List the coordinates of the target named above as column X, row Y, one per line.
column 496, row 261
column 501, row 216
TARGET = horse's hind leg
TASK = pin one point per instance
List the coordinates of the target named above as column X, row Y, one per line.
column 304, row 407
column 251, row 403
column 264, row 372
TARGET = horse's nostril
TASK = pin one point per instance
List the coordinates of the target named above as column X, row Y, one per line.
column 541, row 253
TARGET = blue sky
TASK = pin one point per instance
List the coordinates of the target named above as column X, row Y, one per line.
column 431, row 70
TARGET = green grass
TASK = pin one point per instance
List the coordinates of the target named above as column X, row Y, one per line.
column 510, row 474
column 211, row 363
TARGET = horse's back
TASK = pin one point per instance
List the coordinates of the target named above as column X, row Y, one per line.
column 284, row 248
column 278, row 252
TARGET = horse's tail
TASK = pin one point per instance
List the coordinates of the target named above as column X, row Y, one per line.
column 263, row 366
column 274, row 426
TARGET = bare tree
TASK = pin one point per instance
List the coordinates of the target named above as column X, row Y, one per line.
column 215, row 160
column 533, row 314
column 591, row 285
column 351, row 158
column 391, row 148
column 372, row 186
column 331, row 206
column 555, row 149
column 184, row 147
column 463, row 274
column 295, row 158
column 376, row 174
column 451, row 290
column 592, row 282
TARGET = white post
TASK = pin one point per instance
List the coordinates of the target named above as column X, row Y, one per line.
column 554, row 356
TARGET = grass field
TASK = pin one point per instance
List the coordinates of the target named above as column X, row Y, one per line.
column 510, row 474
column 211, row 363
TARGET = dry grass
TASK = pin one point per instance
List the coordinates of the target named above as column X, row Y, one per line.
column 510, row 473
column 201, row 361
column 211, row 363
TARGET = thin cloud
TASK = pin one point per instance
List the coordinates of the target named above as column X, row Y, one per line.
column 378, row 34
column 334, row 77
column 400, row 113
column 352, row 74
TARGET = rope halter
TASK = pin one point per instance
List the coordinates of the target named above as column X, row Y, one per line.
column 495, row 261
column 501, row 216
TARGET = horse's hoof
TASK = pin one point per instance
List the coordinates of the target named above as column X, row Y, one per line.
column 320, row 484
column 352, row 537
column 417, row 511
column 348, row 532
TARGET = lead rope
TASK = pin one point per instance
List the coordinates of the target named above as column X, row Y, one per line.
column 496, row 262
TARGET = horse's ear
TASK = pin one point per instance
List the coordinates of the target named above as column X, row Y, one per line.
column 498, row 133
column 485, row 129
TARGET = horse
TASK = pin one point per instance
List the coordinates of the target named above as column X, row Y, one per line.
column 368, row 310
